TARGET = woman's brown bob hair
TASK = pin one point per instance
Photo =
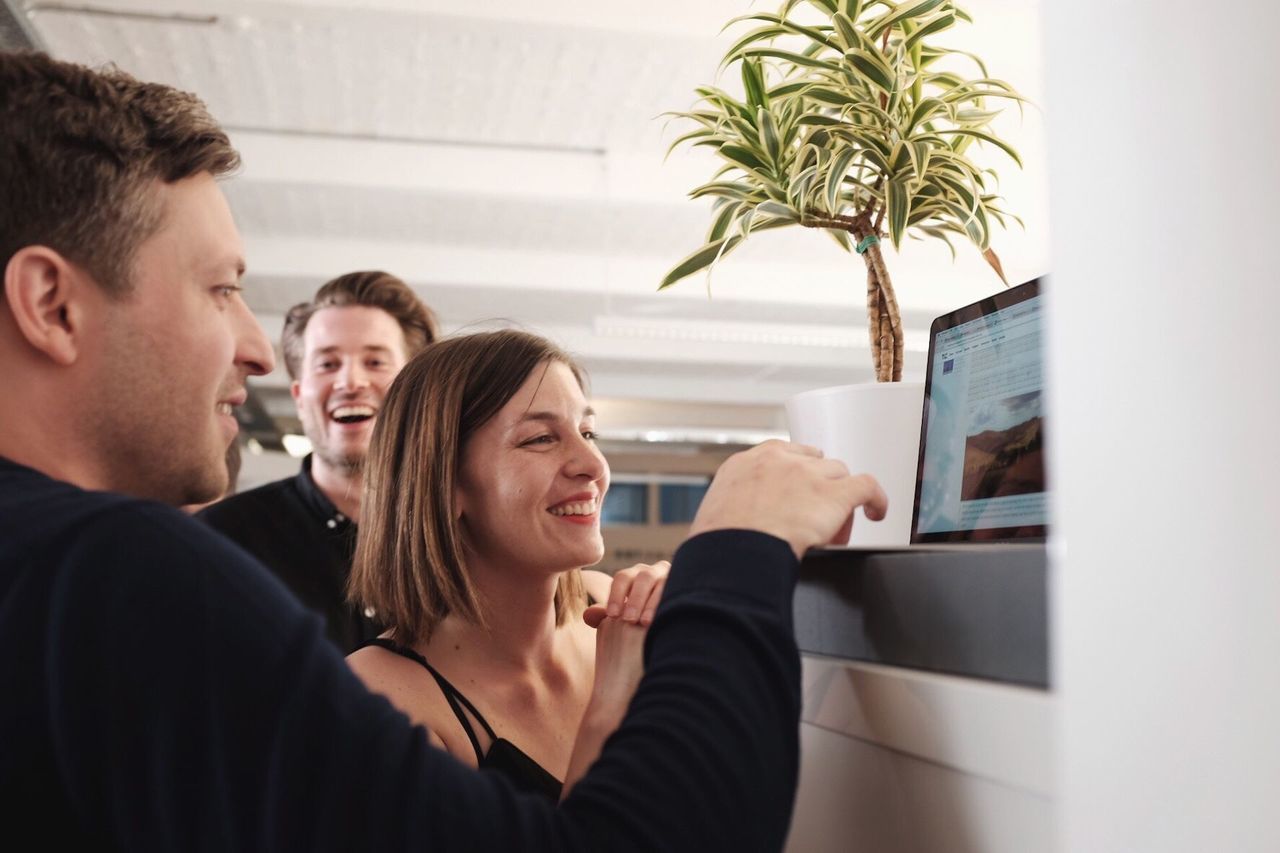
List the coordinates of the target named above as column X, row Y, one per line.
column 410, row 560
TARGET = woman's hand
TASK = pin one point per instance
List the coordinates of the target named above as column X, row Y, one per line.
column 635, row 593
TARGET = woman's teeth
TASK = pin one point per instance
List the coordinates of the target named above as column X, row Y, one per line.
column 578, row 508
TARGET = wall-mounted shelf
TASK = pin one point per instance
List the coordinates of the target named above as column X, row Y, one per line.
column 980, row 613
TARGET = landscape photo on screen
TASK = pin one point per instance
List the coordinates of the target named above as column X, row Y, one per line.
column 1004, row 449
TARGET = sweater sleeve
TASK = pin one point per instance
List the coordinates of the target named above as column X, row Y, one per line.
column 195, row 705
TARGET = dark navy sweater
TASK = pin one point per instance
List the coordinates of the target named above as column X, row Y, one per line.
column 159, row 690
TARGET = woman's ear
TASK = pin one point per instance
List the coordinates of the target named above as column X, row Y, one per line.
column 46, row 295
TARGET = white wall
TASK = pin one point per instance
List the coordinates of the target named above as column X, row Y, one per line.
column 1163, row 132
column 899, row 761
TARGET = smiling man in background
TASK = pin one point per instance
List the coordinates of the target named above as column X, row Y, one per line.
column 342, row 350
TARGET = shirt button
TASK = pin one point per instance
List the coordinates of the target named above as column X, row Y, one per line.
column 331, row 523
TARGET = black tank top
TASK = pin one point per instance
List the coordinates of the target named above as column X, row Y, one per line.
column 503, row 755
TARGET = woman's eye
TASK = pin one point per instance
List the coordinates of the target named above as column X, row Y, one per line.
column 537, row 439
column 590, row 434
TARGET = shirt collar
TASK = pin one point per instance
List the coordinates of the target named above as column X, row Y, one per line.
column 317, row 501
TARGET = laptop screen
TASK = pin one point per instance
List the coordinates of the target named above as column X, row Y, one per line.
column 981, row 469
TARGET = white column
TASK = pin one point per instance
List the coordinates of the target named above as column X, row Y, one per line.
column 1164, row 136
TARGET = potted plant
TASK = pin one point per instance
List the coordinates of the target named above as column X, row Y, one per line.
column 857, row 122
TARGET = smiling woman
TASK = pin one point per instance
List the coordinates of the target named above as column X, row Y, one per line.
column 482, row 501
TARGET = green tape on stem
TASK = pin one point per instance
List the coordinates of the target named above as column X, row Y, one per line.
column 866, row 243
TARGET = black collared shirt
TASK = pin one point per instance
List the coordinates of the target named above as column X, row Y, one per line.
column 297, row 532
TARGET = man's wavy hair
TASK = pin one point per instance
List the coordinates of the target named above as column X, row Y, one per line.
column 369, row 289
column 80, row 150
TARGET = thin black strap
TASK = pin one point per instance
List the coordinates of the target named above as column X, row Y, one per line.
column 451, row 694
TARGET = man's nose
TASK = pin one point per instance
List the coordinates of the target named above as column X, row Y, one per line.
column 352, row 375
column 253, row 347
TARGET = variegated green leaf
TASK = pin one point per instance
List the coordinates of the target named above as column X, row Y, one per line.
column 876, row 158
column 689, row 137
column 841, row 237
column 900, row 160
column 756, row 35
column 985, row 137
column 920, row 155
column 786, row 90
column 847, row 32
column 743, row 156
column 724, row 218
column 926, row 109
column 957, row 191
column 940, row 234
column 791, row 56
column 851, row 9
column 740, row 190
column 913, row 9
column 769, row 136
column 814, row 34
column 897, row 209
column 827, row 95
column 937, row 25
column 778, row 211
column 753, row 83
column 874, row 68
column 975, row 117
column 835, row 177
column 700, row 260
column 819, row 121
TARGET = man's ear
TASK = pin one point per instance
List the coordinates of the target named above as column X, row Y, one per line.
column 41, row 289
column 295, row 388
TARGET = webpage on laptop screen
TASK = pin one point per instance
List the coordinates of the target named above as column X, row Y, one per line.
column 984, row 441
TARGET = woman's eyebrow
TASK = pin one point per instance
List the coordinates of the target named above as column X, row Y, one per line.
column 588, row 412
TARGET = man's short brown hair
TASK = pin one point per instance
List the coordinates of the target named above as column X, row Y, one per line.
column 372, row 289
column 79, row 151
column 410, row 560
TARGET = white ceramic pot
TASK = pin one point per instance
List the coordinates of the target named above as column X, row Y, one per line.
column 874, row 428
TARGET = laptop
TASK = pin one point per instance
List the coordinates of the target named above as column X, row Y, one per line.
column 980, row 476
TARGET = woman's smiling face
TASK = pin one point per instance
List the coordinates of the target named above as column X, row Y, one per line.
column 532, row 480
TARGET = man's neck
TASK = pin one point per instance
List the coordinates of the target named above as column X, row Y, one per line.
column 41, row 431
column 343, row 489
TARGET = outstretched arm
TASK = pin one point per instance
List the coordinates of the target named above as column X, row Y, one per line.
column 224, row 720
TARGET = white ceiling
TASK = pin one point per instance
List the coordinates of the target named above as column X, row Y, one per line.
column 507, row 162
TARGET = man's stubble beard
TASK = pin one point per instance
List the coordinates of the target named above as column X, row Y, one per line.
column 151, row 450
column 350, row 465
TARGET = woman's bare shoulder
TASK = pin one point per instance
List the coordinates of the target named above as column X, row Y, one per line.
column 411, row 689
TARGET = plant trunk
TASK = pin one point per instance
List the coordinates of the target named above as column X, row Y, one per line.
column 884, row 322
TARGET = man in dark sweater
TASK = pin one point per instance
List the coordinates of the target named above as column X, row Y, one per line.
column 161, row 690
column 342, row 350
